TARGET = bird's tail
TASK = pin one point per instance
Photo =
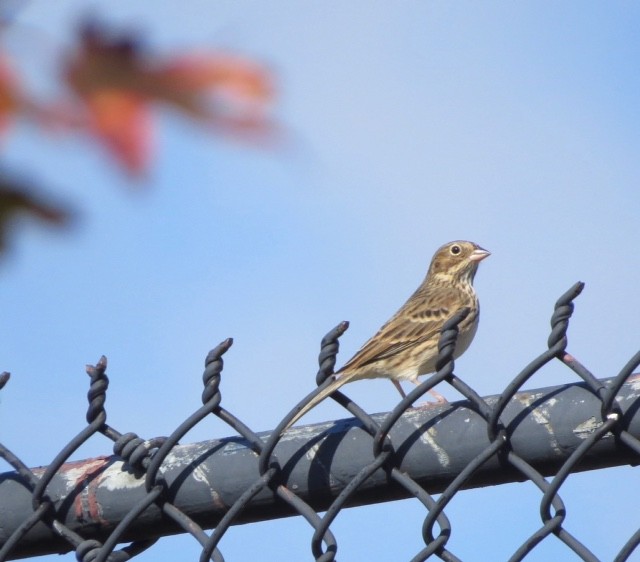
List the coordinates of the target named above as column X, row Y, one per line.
column 315, row 399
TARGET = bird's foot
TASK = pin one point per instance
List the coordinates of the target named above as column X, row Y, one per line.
column 439, row 400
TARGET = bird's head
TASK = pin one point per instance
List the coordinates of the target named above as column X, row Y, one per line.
column 457, row 260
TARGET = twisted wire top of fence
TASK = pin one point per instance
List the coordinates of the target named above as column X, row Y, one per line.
column 152, row 487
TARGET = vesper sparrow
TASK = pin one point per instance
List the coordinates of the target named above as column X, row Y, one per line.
column 407, row 345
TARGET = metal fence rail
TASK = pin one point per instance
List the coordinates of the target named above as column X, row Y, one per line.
column 154, row 487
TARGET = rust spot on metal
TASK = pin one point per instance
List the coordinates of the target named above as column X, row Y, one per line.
column 83, row 479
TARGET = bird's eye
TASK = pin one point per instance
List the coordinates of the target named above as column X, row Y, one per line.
column 455, row 249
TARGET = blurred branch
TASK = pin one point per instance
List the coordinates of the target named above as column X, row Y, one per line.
column 112, row 86
column 19, row 200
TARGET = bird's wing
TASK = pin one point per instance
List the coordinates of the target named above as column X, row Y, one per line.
column 413, row 324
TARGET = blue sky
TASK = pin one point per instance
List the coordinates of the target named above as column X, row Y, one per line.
column 514, row 125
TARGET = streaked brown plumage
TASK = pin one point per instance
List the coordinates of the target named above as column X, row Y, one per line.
column 407, row 345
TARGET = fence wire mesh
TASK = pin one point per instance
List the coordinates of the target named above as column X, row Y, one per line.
column 52, row 520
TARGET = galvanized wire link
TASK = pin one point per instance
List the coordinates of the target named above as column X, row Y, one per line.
column 377, row 456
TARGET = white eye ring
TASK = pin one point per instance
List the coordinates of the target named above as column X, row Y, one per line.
column 455, row 250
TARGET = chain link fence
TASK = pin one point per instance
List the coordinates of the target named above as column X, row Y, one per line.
column 153, row 487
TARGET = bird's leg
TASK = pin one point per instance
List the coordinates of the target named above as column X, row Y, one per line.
column 439, row 398
column 399, row 387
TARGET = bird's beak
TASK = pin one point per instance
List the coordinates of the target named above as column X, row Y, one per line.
column 479, row 254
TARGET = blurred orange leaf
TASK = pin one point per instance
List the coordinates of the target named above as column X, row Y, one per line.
column 121, row 120
column 227, row 79
column 9, row 94
column 117, row 82
column 14, row 102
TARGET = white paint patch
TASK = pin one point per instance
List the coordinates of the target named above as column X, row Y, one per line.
column 541, row 416
column 311, row 453
column 233, row 447
column 429, row 438
column 528, row 397
column 587, row 428
column 415, row 417
column 114, row 478
column 183, row 455
column 200, row 475
column 76, row 473
column 306, row 431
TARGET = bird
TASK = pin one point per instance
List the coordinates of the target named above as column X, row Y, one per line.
column 406, row 346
